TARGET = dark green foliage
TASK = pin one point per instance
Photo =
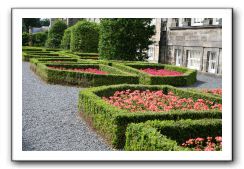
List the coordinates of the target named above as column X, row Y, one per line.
column 84, row 37
column 125, row 38
column 39, row 39
column 55, row 34
column 65, row 43
column 25, row 39
column 33, row 22
column 111, row 121
column 169, row 135
column 115, row 76
column 45, row 22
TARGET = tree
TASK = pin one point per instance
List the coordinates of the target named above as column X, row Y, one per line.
column 45, row 22
column 65, row 43
column 33, row 22
column 125, row 38
column 55, row 34
column 84, row 37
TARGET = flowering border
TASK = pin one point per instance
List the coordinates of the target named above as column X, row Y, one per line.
column 111, row 122
column 168, row 135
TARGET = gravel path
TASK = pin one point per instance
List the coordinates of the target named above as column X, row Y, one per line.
column 207, row 81
column 50, row 119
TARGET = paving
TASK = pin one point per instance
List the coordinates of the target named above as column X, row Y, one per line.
column 50, row 120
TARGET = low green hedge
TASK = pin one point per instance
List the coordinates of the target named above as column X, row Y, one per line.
column 115, row 76
column 50, row 49
column 86, row 54
column 169, row 135
column 111, row 121
column 27, row 57
column 201, row 90
column 188, row 78
column 31, row 49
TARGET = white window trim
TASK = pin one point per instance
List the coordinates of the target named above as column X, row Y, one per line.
column 193, row 23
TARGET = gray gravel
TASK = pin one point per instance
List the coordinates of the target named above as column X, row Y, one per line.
column 207, row 81
column 50, row 119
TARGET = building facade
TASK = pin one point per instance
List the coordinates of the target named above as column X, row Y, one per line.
column 195, row 43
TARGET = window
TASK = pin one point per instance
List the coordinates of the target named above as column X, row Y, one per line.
column 217, row 21
column 178, row 57
column 150, row 53
column 197, row 21
column 212, row 61
column 193, row 57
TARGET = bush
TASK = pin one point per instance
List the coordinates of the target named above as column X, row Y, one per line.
column 84, row 37
column 25, row 39
column 115, row 76
column 188, row 78
column 111, row 121
column 39, row 39
column 125, row 38
column 169, row 135
column 55, row 34
column 27, row 57
column 65, row 43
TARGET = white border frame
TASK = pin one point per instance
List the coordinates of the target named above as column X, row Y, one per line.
column 19, row 155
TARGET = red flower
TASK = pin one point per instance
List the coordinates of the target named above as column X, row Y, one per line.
column 161, row 72
column 87, row 70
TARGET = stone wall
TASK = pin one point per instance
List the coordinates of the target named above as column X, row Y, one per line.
column 204, row 40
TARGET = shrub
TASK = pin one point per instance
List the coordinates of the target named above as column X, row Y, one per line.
column 84, row 37
column 39, row 39
column 62, row 76
column 188, row 78
column 55, row 34
column 27, row 57
column 25, row 39
column 65, row 43
column 169, row 135
column 125, row 38
column 111, row 121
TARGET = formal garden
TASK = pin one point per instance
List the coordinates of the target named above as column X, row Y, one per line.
column 130, row 103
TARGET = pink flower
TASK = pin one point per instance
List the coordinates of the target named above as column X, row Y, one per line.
column 161, row 72
column 218, row 139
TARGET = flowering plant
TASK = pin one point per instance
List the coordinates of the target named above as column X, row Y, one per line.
column 201, row 144
column 157, row 101
column 213, row 91
column 161, row 72
column 87, row 70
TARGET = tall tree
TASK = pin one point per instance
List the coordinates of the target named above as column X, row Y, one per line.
column 55, row 34
column 33, row 22
column 45, row 22
column 125, row 38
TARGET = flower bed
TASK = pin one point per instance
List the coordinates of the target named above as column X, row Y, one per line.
column 111, row 121
column 86, row 70
column 157, row 101
column 161, row 72
column 201, row 144
column 169, row 135
column 217, row 92
column 183, row 77
column 76, row 74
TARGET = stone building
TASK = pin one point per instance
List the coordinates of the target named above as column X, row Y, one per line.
column 153, row 51
column 195, row 43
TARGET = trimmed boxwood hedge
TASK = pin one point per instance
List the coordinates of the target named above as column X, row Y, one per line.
column 111, row 121
column 27, row 48
column 169, row 135
column 83, row 79
column 188, row 78
column 27, row 57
